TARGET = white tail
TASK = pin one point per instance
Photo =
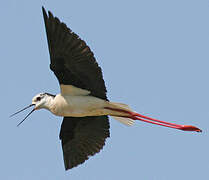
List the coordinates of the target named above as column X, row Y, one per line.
column 124, row 120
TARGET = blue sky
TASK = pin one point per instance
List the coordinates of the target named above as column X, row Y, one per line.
column 155, row 57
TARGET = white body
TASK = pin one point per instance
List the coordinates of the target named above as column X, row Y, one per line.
column 76, row 102
column 78, row 106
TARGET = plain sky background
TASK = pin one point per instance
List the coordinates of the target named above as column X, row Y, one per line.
column 155, row 57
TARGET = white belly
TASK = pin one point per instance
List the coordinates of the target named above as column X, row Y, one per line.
column 78, row 106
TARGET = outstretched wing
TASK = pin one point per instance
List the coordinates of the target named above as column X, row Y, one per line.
column 82, row 137
column 72, row 61
column 74, row 64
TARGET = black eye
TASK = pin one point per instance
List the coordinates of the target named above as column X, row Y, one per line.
column 38, row 98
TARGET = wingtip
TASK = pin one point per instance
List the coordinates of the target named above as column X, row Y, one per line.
column 67, row 165
column 43, row 9
column 44, row 12
column 67, row 168
column 50, row 14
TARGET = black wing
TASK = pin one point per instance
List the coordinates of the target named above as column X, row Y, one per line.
column 72, row 61
column 82, row 137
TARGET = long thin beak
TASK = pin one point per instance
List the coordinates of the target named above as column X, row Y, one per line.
column 26, row 117
column 23, row 110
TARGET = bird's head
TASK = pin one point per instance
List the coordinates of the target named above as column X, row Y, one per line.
column 41, row 100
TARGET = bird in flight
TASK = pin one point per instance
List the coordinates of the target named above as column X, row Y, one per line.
column 82, row 101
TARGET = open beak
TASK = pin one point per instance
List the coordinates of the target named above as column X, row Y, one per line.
column 23, row 110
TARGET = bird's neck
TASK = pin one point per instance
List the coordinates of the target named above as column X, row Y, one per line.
column 49, row 103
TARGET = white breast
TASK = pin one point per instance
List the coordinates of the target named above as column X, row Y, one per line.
column 77, row 106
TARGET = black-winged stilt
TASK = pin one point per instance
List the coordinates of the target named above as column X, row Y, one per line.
column 82, row 102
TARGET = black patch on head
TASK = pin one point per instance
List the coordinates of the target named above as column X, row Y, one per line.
column 50, row 94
